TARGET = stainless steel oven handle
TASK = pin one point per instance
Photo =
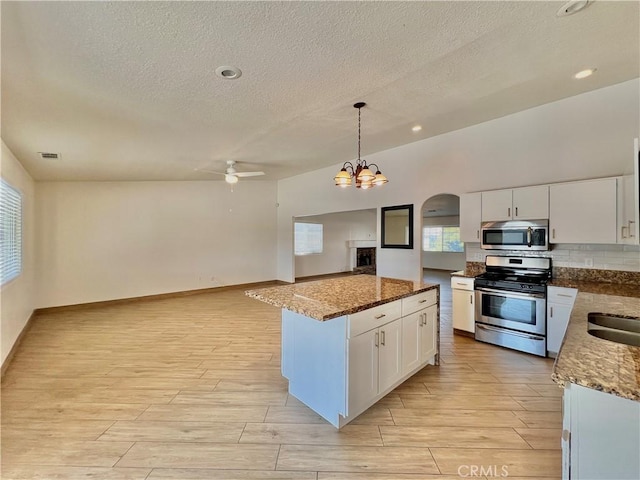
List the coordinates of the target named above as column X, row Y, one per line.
column 508, row 293
column 510, row 332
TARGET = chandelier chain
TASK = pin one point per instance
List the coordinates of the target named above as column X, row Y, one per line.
column 359, row 112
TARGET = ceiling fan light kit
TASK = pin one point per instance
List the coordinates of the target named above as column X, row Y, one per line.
column 231, row 175
column 362, row 172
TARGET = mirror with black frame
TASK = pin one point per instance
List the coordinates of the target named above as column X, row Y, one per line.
column 397, row 227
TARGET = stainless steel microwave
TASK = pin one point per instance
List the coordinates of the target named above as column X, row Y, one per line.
column 515, row 235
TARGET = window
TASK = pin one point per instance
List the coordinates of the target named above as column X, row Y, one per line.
column 442, row 239
column 307, row 238
column 10, row 232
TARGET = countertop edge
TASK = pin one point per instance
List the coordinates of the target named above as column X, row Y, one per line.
column 349, row 311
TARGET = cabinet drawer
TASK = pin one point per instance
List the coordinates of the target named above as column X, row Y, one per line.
column 374, row 317
column 462, row 283
column 419, row 301
column 561, row 295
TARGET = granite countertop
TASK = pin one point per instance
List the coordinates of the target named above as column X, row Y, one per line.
column 593, row 362
column 604, row 288
column 331, row 298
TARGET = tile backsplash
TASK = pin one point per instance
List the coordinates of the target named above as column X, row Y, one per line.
column 597, row 257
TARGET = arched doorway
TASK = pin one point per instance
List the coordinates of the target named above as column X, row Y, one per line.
column 441, row 248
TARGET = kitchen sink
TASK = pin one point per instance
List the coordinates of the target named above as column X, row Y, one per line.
column 615, row 321
column 615, row 328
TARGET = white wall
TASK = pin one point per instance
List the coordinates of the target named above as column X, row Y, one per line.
column 443, row 260
column 108, row 240
column 585, row 136
column 17, row 299
column 337, row 229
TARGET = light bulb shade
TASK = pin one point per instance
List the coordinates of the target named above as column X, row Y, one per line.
column 341, row 176
column 366, row 175
column 366, row 184
column 230, row 179
column 380, row 179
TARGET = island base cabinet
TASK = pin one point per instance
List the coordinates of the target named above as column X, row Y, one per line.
column 601, row 435
column 342, row 366
column 314, row 360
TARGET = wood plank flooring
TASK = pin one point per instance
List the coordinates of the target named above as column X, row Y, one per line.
column 190, row 388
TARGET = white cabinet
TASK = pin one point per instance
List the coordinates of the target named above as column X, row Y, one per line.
column 429, row 334
column 389, row 355
column 363, row 370
column 627, row 210
column 583, row 212
column 470, row 217
column 419, row 338
column 463, row 304
column 601, row 437
column 526, row 203
column 559, row 305
column 342, row 366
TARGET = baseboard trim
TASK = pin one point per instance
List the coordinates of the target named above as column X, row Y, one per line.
column 464, row 333
column 158, row 296
column 16, row 344
column 310, row 278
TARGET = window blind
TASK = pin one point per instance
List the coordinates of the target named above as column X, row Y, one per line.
column 10, row 232
column 307, row 238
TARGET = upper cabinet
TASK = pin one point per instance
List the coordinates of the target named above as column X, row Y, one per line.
column 627, row 210
column 470, row 217
column 583, row 212
column 526, row 203
column 629, row 201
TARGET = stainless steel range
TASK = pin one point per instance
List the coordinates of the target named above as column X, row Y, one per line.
column 511, row 302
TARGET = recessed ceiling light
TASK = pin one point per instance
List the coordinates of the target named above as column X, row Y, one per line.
column 228, row 72
column 571, row 7
column 416, row 128
column 585, row 73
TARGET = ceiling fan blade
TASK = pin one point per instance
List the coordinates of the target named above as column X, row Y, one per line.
column 209, row 171
column 248, row 174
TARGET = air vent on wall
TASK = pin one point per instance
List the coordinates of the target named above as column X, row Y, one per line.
column 48, row 156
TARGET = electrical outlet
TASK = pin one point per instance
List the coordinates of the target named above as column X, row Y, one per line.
column 588, row 262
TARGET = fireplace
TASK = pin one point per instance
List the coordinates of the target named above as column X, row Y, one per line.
column 365, row 260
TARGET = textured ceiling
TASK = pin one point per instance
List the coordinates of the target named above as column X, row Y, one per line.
column 127, row 90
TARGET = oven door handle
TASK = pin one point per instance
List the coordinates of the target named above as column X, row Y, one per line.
column 510, row 332
column 508, row 293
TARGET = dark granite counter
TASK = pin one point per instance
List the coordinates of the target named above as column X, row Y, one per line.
column 593, row 362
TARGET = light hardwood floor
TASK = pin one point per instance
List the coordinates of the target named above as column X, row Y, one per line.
column 190, row 388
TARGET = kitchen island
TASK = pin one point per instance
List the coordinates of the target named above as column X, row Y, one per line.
column 349, row 341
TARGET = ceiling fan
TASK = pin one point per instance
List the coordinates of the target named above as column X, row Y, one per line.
column 231, row 175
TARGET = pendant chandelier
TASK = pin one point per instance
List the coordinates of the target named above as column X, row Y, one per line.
column 363, row 174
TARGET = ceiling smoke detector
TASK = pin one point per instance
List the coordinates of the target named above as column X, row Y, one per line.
column 48, row 156
column 572, row 6
column 228, row 72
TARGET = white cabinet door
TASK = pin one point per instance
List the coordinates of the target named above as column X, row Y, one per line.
column 627, row 211
column 557, row 321
column 363, row 370
column 411, row 329
column 559, row 305
column 530, row 203
column 470, row 217
column 463, row 310
column 496, row 205
column 429, row 334
column 390, row 355
column 583, row 212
